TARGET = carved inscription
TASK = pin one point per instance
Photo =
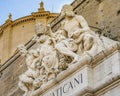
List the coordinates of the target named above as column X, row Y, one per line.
column 67, row 87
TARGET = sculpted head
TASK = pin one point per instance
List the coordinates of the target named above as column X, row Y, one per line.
column 40, row 29
column 22, row 49
column 67, row 10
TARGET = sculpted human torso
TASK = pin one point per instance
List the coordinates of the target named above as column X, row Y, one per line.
column 71, row 26
column 46, row 48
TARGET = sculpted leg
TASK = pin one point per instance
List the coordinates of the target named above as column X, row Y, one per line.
column 88, row 43
column 66, row 51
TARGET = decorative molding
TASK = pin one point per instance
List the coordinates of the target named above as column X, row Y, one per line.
column 29, row 18
column 114, row 82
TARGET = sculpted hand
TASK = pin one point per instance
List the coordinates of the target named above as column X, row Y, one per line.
column 77, row 33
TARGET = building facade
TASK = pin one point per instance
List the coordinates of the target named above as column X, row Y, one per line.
column 99, row 77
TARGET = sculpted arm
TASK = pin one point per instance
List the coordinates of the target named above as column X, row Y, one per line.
column 83, row 23
column 83, row 26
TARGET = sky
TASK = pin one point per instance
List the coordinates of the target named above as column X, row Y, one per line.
column 21, row 8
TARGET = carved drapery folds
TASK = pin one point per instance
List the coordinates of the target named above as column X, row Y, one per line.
column 57, row 51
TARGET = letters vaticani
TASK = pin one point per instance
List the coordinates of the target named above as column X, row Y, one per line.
column 57, row 51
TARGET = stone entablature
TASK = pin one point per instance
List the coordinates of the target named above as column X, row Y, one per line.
column 22, row 20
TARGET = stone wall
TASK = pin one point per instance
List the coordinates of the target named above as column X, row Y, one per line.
column 9, row 78
column 10, row 71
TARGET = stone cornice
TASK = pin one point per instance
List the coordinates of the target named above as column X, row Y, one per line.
column 6, row 24
column 23, row 19
column 17, row 21
column 46, row 14
column 40, row 14
column 107, row 86
column 31, row 17
column 1, row 31
column 105, row 54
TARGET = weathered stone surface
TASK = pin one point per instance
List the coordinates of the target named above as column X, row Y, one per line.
column 9, row 78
